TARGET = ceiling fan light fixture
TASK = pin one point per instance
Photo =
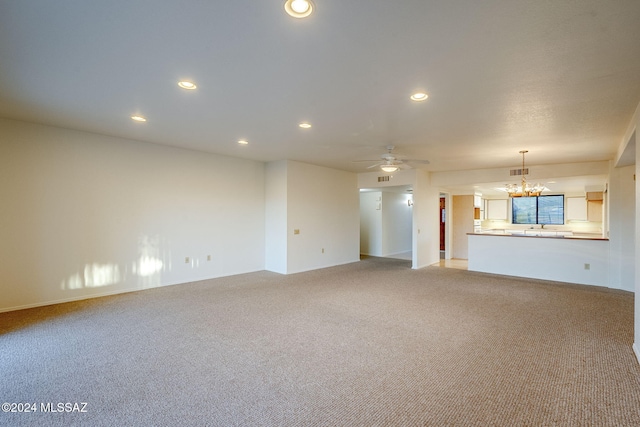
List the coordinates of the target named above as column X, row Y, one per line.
column 389, row 168
column 391, row 162
column 298, row 8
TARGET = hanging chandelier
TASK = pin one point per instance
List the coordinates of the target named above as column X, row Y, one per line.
column 524, row 189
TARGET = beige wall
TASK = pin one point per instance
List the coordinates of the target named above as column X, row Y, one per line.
column 312, row 217
column 462, row 218
column 85, row 215
column 324, row 204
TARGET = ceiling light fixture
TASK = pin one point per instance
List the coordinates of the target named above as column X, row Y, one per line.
column 304, row 125
column 187, row 85
column 419, row 96
column 298, row 8
column 388, row 167
column 524, row 189
column 243, row 142
column 138, row 119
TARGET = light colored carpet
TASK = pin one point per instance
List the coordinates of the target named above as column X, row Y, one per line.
column 372, row 343
column 402, row 255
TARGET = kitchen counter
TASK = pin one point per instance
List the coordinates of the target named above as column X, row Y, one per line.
column 576, row 258
column 559, row 234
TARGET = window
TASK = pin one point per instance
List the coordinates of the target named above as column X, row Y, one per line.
column 538, row 210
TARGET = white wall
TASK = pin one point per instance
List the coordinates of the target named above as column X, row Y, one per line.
column 403, row 177
column 636, row 323
column 629, row 155
column 385, row 223
column 453, row 178
column 544, row 258
column 371, row 223
column 426, row 221
column 276, row 217
column 396, row 223
column 426, row 211
column 84, row 215
column 622, row 227
column 631, row 138
column 448, row 226
column 323, row 204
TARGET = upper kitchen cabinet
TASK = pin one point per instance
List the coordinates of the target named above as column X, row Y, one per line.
column 594, row 206
column 497, row 209
column 576, row 208
column 587, row 208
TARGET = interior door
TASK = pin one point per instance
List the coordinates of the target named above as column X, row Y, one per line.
column 443, row 215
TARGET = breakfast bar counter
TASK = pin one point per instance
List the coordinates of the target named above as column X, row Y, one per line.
column 582, row 259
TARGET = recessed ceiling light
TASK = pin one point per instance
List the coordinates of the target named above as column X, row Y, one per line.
column 138, row 118
column 243, row 142
column 419, row 96
column 305, row 125
column 298, row 8
column 187, row 85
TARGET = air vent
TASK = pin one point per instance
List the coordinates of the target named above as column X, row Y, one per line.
column 515, row 172
column 383, row 178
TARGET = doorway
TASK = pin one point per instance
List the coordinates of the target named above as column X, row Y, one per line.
column 443, row 223
column 386, row 222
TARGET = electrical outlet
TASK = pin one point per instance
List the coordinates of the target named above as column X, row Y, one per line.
column 587, row 266
column 186, row 260
column 208, row 257
column 322, row 250
column 296, row 231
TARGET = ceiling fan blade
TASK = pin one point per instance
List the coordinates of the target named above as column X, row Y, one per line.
column 394, row 159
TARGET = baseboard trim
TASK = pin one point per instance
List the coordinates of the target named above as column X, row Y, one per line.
column 391, row 255
column 65, row 300
column 124, row 291
column 118, row 292
column 304, row 270
column 636, row 350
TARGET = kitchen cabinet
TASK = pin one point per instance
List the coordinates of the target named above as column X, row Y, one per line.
column 595, row 195
column 583, row 209
column 497, row 209
column 477, row 209
column 576, row 209
column 594, row 210
column 594, row 206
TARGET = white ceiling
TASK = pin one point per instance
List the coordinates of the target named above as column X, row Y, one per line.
column 558, row 78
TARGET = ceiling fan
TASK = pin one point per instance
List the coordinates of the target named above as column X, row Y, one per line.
column 391, row 162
